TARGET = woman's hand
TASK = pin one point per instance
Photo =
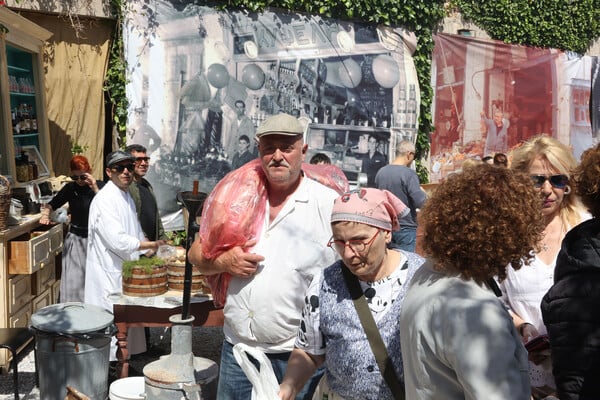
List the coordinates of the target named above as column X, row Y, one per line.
column 527, row 331
column 45, row 218
column 91, row 182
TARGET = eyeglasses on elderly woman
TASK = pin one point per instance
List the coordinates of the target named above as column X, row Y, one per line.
column 557, row 181
column 358, row 246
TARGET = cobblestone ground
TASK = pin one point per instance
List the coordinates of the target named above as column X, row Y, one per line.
column 206, row 342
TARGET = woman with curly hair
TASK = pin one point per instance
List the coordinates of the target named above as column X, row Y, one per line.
column 457, row 339
column 549, row 164
column 571, row 307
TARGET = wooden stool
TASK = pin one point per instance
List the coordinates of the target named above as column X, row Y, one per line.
column 12, row 339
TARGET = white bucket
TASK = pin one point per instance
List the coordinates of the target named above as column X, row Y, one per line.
column 132, row 388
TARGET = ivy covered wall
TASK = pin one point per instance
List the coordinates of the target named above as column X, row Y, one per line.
column 563, row 24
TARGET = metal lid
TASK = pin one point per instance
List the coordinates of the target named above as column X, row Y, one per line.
column 71, row 318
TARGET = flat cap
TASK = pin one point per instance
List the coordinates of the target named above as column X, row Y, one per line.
column 280, row 124
column 118, row 156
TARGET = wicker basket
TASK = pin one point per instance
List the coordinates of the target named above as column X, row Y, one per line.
column 4, row 202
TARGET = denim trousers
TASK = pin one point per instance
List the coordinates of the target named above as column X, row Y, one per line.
column 405, row 239
column 233, row 384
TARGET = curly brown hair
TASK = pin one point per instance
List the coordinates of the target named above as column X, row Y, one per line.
column 479, row 221
column 587, row 180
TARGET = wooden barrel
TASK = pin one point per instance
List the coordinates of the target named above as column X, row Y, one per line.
column 176, row 276
column 144, row 284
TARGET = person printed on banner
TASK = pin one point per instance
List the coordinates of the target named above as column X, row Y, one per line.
column 496, row 140
column 78, row 194
column 500, row 160
column 290, row 249
column 320, row 159
column 372, row 161
column 458, row 340
column 403, row 181
column 548, row 162
column 243, row 155
column 114, row 235
column 330, row 331
column 142, row 133
column 241, row 126
column 570, row 308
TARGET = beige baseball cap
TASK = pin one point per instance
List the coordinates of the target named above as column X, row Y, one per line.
column 280, row 124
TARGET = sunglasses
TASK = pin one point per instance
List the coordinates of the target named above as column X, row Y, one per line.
column 557, row 181
column 139, row 160
column 121, row 168
column 77, row 177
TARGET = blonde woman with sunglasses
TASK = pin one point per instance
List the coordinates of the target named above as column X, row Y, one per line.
column 549, row 163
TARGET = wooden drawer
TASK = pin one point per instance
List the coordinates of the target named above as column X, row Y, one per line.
column 19, row 292
column 21, row 318
column 55, row 291
column 55, row 238
column 29, row 252
column 43, row 278
column 43, row 300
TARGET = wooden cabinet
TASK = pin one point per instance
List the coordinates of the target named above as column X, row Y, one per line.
column 28, row 255
column 24, row 134
column 34, row 250
column 19, row 292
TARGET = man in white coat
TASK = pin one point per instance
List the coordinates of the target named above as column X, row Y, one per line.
column 114, row 236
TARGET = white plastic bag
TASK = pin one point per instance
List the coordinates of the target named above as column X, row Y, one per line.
column 264, row 382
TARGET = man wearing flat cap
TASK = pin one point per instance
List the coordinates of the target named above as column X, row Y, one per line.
column 114, row 236
column 271, row 274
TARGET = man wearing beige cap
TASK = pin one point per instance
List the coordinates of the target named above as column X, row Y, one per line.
column 270, row 275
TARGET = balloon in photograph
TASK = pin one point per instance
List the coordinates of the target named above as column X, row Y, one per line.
column 386, row 71
column 350, row 73
column 217, row 75
column 253, row 76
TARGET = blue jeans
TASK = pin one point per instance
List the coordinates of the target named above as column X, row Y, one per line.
column 405, row 239
column 233, row 384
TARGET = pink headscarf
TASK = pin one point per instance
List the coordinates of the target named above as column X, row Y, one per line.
column 378, row 208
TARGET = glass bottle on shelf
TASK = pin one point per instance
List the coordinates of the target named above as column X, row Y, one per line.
column 22, row 165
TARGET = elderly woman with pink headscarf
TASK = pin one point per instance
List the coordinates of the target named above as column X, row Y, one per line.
column 369, row 277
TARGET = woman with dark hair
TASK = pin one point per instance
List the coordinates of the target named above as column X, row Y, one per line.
column 457, row 338
column 500, row 160
column 78, row 194
column 571, row 307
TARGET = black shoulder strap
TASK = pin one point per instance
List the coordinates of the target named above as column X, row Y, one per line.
column 375, row 341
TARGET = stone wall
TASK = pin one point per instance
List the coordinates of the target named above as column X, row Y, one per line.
column 88, row 8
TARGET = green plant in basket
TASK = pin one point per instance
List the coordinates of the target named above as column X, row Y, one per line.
column 177, row 238
column 147, row 263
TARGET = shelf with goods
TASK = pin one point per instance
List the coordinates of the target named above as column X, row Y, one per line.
column 24, row 129
column 25, row 155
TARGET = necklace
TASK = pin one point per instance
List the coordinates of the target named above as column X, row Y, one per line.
column 559, row 237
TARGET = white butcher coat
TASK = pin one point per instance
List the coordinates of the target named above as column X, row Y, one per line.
column 114, row 236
